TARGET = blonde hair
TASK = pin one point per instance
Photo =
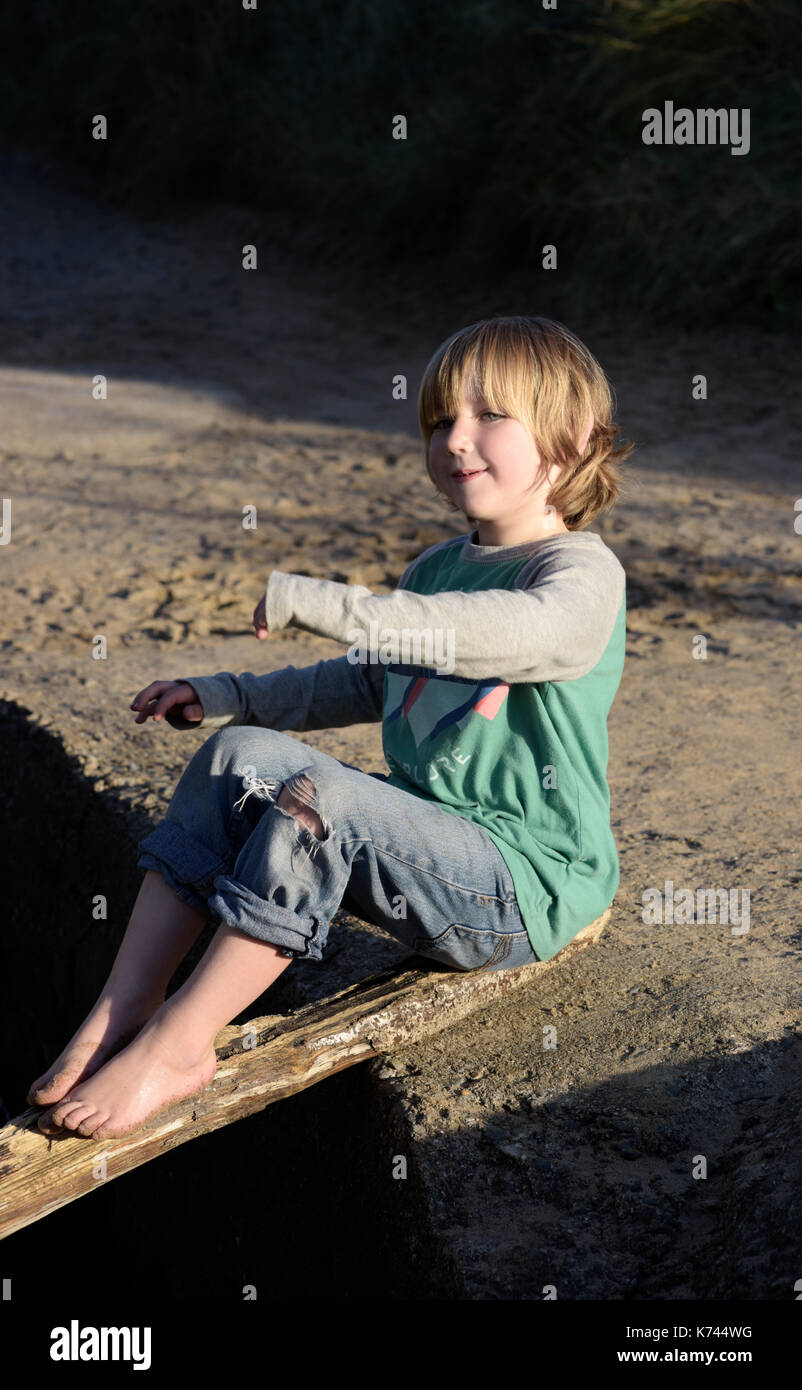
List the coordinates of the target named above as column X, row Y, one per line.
column 535, row 370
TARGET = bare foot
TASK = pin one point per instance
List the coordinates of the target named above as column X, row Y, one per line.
column 153, row 1072
column 107, row 1028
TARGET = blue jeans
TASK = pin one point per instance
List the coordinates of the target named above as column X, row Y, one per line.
column 430, row 878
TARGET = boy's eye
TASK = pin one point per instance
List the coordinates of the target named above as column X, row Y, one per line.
column 445, row 420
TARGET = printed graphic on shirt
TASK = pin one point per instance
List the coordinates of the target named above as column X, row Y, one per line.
column 431, row 704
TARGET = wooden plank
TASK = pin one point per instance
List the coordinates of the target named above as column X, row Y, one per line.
column 259, row 1062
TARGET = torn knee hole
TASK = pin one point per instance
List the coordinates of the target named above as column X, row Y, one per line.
column 296, row 797
column 299, row 785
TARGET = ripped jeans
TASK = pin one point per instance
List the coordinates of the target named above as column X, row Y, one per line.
column 430, row 878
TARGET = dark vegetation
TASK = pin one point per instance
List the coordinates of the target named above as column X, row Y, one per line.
column 524, row 129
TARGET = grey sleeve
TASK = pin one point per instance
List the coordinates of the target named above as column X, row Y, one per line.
column 553, row 627
column 327, row 695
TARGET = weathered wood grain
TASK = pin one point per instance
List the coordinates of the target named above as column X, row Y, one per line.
column 259, row 1062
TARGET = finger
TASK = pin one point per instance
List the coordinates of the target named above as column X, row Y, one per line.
column 149, row 692
column 146, row 709
column 172, row 696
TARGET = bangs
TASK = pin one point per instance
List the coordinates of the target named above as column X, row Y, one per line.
column 479, row 361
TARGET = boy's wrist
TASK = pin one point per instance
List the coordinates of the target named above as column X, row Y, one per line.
column 278, row 605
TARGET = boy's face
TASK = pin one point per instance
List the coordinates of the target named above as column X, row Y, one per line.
column 486, row 463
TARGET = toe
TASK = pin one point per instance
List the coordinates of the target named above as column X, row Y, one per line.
column 78, row 1113
column 38, row 1091
column 57, row 1114
column 50, row 1087
column 103, row 1127
column 90, row 1123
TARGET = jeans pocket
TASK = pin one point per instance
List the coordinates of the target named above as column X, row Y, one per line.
column 464, row 948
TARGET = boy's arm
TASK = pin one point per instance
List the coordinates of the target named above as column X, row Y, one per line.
column 326, row 695
column 554, row 627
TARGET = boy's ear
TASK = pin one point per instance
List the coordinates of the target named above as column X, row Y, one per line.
column 583, row 446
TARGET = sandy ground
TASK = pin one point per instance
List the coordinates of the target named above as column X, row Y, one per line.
column 572, row 1166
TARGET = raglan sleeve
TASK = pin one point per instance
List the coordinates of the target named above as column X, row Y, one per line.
column 553, row 628
column 329, row 694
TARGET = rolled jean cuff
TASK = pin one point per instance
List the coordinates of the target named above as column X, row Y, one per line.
column 238, row 907
column 189, row 868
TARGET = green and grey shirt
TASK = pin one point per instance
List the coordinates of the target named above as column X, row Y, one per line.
column 493, row 671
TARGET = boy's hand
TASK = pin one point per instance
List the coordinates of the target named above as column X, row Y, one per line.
column 160, row 696
column 260, row 619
